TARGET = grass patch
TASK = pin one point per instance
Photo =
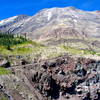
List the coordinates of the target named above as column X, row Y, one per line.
column 4, row 71
column 17, row 45
column 72, row 50
column 76, row 51
column 3, row 98
column 53, row 55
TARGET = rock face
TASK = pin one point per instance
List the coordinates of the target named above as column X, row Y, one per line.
column 61, row 78
column 69, row 78
column 6, row 25
column 55, row 22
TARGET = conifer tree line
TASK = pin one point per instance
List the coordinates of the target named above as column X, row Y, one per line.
column 8, row 39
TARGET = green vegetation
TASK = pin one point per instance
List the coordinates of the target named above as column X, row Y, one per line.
column 76, row 51
column 17, row 45
column 3, row 96
column 4, row 71
column 9, row 40
column 72, row 50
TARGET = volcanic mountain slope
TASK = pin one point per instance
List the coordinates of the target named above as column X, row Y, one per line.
column 55, row 22
column 6, row 24
column 61, row 70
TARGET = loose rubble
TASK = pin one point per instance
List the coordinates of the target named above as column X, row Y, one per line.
column 61, row 78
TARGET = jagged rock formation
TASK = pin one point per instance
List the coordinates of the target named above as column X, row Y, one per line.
column 61, row 78
column 71, row 77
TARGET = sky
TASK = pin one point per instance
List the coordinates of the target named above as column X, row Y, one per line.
column 9, row 8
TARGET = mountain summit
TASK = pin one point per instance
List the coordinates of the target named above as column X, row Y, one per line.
column 53, row 22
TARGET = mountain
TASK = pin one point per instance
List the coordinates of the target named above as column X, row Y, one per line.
column 55, row 22
column 64, row 65
column 10, row 24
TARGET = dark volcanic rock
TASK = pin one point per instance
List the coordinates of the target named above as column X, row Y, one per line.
column 55, row 79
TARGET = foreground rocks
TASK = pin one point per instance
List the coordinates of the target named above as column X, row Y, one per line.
column 69, row 77
column 61, row 78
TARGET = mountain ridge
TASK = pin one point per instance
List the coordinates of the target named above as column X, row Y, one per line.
column 46, row 21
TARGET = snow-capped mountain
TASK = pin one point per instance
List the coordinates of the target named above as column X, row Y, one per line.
column 54, row 22
column 3, row 22
column 13, row 22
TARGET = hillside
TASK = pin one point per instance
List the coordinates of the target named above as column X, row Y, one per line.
column 55, row 28
column 53, row 55
column 54, row 22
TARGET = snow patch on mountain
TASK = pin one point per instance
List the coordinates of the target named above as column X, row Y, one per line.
column 49, row 15
column 2, row 22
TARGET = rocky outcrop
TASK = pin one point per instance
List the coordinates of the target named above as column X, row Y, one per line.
column 60, row 78
column 79, row 79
